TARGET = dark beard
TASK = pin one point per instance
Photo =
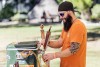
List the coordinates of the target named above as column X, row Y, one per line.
column 68, row 23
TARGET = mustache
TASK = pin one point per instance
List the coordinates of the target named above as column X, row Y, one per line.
column 62, row 19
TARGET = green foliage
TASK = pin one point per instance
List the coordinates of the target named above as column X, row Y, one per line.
column 82, row 7
column 81, row 4
column 58, row 1
column 6, row 12
column 96, row 12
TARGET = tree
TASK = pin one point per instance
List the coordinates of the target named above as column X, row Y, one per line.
column 27, row 3
column 6, row 12
column 83, row 6
column 58, row 1
column 97, row 1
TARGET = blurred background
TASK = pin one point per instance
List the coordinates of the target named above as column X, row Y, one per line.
column 20, row 21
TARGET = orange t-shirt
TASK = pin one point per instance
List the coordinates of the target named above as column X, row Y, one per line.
column 77, row 33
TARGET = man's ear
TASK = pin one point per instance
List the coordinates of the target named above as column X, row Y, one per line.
column 69, row 13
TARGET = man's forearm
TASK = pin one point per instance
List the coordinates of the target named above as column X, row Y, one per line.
column 54, row 44
column 69, row 51
column 64, row 53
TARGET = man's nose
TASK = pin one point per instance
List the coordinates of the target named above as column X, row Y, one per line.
column 61, row 17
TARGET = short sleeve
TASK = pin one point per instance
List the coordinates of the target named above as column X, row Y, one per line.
column 77, row 33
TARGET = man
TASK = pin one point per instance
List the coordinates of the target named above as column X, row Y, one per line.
column 72, row 39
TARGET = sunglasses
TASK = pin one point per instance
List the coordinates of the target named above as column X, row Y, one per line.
column 61, row 14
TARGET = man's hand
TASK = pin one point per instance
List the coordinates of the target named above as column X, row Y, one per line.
column 48, row 57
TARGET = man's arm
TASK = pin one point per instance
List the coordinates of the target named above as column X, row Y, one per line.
column 69, row 51
column 55, row 43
